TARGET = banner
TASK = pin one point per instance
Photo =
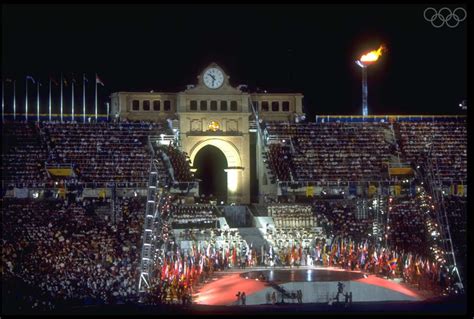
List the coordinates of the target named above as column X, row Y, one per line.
column 400, row 171
column 397, row 189
column 352, row 189
column 309, row 191
column 62, row 192
column 20, row 192
column 60, row 171
column 372, row 190
column 102, row 193
column 461, row 190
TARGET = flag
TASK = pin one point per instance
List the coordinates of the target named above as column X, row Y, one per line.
column 362, row 257
column 164, row 270
column 53, row 80
column 29, row 77
column 84, row 77
column 97, row 80
column 393, row 263
column 65, row 81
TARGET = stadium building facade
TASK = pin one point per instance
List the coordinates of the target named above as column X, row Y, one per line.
column 213, row 112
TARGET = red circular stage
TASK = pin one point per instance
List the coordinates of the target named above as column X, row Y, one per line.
column 302, row 275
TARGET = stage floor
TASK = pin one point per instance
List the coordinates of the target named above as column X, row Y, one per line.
column 317, row 283
column 303, row 275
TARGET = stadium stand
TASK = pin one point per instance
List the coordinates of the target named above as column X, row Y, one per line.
column 23, row 156
column 330, row 151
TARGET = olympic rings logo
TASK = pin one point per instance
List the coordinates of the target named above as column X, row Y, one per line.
column 445, row 16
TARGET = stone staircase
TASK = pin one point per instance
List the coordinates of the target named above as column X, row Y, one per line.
column 253, row 236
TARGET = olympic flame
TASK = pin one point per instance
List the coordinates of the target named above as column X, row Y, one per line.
column 373, row 55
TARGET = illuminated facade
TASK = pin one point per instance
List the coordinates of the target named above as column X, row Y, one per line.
column 213, row 112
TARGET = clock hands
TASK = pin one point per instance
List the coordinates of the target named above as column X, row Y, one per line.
column 213, row 78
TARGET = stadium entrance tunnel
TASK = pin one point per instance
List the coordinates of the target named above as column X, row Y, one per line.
column 211, row 165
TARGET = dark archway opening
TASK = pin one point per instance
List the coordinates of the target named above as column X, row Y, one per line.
column 210, row 163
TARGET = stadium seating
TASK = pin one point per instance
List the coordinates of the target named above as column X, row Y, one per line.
column 180, row 163
column 338, row 218
column 330, row 151
column 444, row 142
column 71, row 254
column 104, row 152
column 193, row 216
column 23, row 156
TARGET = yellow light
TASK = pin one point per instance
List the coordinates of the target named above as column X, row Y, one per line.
column 232, row 180
column 214, row 126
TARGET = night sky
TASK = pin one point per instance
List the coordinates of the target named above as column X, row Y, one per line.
column 299, row 48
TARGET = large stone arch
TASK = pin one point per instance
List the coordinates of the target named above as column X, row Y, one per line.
column 235, row 187
column 230, row 151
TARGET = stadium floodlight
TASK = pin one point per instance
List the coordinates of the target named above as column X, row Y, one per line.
column 364, row 61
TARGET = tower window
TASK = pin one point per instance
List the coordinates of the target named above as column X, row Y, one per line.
column 203, row 106
column 156, row 105
column 233, row 105
column 167, row 105
column 275, row 106
column 286, row 106
column 264, row 106
column 146, row 105
column 135, row 105
column 213, row 105
column 194, row 106
column 223, row 105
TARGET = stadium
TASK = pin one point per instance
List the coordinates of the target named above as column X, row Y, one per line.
column 221, row 198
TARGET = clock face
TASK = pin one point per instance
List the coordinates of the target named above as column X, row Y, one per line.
column 213, row 78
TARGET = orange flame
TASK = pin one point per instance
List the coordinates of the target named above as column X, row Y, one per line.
column 373, row 55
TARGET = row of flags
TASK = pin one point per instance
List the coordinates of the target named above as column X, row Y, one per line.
column 55, row 82
column 381, row 256
column 52, row 80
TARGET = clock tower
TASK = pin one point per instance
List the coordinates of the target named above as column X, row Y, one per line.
column 215, row 113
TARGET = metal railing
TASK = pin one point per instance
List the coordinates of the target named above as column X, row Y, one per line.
column 151, row 218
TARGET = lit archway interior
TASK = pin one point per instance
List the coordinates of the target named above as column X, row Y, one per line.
column 232, row 157
column 210, row 164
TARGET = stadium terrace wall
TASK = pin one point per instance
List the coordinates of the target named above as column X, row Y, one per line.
column 389, row 118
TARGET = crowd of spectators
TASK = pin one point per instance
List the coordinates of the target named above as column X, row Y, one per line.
column 331, row 151
column 338, row 219
column 69, row 253
column 103, row 152
column 444, row 142
column 278, row 160
column 407, row 224
column 23, row 155
column 193, row 216
column 180, row 164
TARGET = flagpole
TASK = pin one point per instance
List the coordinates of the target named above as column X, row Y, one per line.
column 3, row 101
column 38, row 101
column 50, row 99
column 84, row 97
column 26, row 101
column 72, row 99
column 61, row 97
column 14, row 99
column 96, row 97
